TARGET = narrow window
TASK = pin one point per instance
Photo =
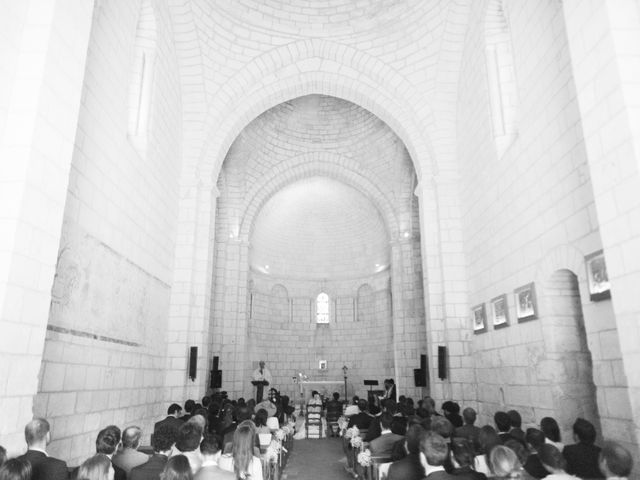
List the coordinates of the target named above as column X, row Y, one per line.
column 322, row 308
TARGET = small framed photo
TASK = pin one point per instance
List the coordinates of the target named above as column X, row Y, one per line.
column 526, row 305
column 479, row 316
column 599, row 286
column 322, row 365
column 500, row 312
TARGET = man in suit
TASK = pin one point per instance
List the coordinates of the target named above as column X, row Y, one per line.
column 383, row 445
column 37, row 435
column 433, row 453
column 582, row 457
column 409, row 468
column 469, row 430
column 163, row 439
column 107, row 443
column 173, row 418
column 503, row 425
column 130, row 457
column 210, row 451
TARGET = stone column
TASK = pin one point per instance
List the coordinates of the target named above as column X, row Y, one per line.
column 190, row 307
column 445, row 287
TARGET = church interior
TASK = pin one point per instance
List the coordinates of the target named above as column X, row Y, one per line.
column 442, row 192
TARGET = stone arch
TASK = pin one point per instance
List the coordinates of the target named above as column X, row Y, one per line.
column 316, row 67
column 562, row 257
column 321, row 164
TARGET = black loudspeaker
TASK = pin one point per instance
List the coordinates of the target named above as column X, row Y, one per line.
column 419, row 377
column 442, row 362
column 214, row 365
column 193, row 362
column 423, row 363
column 216, row 379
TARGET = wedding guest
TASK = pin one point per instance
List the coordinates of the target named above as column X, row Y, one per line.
column 16, row 469
column 210, row 451
column 37, row 434
column 516, row 426
column 452, row 413
column 554, row 462
column 433, row 454
column 98, row 467
column 469, row 430
column 163, row 439
column 582, row 457
column 615, row 461
column 462, row 457
column 129, row 456
column 242, row 460
column 488, row 440
column 551, row 431
column 177, row 468
column 535, row 440
column 504, row 463
column 409, row 468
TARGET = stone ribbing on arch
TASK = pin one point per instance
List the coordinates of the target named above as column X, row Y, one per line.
column 316, row 164
column 316, row 66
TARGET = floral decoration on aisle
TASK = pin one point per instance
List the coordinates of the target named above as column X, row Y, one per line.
column 364, row 458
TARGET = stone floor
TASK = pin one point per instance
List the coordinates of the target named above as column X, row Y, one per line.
column 316, row 460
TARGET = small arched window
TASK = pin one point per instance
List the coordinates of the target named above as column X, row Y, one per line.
column 141, row 84
column 503, row 93
column 322, row 308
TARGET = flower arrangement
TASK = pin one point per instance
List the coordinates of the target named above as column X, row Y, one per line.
column 356, row 442
column 343, row 423
column 352, row 432
column 364, row 458
column 273, row 450
column 280, row 434
column 287, row 429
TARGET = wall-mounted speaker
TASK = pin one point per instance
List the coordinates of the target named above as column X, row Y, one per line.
column 216, row 379
column 419, row 377
column 423, row 363
column 214, row 364
column 442, row 362
column 193, row 362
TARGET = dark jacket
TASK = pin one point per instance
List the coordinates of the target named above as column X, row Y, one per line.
column 150, row 470
column 582, row 460
column 44, row 467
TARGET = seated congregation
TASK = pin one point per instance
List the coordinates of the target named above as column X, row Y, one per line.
column 237, row 439
column 403, row 441
column 216, row 439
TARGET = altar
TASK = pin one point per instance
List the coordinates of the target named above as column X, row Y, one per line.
column 323, row 387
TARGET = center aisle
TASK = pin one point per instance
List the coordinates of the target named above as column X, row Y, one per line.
column 316, row 460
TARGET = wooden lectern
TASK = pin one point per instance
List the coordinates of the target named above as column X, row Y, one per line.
column 259, row 384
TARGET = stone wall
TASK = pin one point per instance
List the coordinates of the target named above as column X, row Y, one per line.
column 106, row 337
column 528, row 213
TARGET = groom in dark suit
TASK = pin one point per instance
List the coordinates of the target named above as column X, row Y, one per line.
column 37, row 435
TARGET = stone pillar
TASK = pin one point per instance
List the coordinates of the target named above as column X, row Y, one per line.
column 604, row 42
column 230, row 316
column 190, row 307
column 445, row 287
column 43, row 59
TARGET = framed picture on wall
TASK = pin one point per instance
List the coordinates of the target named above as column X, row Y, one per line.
column 526, row 305
column 599, row 286
column 322, row 365
column 500, row 312
column 479, row 317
